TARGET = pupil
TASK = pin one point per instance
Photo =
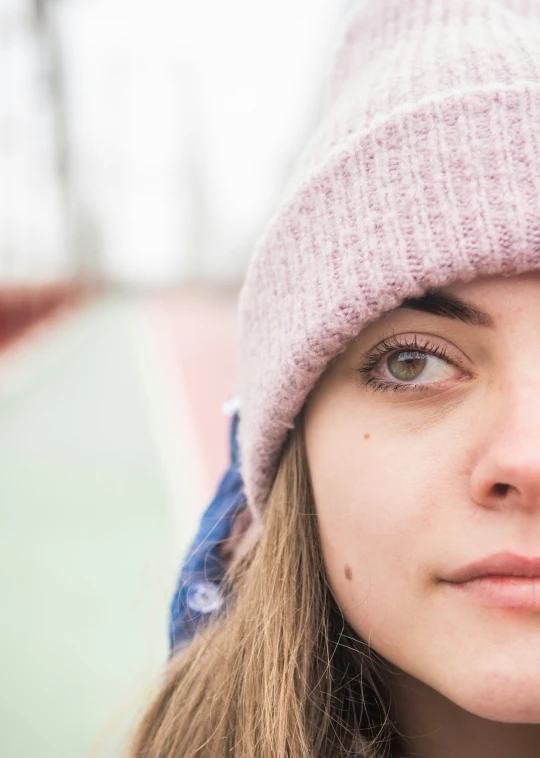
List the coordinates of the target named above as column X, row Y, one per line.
column 406, row 365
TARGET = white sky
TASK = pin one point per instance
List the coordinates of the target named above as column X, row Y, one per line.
column 183, row 120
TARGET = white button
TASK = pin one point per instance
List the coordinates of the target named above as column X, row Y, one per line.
column 203, row 597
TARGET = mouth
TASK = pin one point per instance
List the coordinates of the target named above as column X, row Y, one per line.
column 502, row 580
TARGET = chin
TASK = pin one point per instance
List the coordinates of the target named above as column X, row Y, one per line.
column 509, row 697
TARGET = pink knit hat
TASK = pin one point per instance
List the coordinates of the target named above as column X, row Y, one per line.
column 425, row 170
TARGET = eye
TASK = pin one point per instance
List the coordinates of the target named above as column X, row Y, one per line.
column 409, row 363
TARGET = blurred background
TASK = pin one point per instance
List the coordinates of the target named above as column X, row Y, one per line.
column 143, row 147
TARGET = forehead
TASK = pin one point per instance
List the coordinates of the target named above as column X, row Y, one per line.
column 484, row 288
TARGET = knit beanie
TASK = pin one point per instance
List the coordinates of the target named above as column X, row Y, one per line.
column 424, row 171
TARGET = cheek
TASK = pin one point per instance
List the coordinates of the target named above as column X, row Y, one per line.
column 370, row 531
column 377, row 513
column 390, row 486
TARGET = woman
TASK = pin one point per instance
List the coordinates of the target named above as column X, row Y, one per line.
column 389, row 601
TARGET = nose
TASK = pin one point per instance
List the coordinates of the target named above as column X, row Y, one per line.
column 507, row 470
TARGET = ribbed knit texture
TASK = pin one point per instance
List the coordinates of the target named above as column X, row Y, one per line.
column 424, row 171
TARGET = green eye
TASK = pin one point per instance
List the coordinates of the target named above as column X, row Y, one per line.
column 410, row 363
column 406, row 365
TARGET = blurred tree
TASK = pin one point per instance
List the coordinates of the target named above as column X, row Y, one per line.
column 82, row 235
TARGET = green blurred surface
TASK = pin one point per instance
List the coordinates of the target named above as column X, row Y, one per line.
column 86, row 543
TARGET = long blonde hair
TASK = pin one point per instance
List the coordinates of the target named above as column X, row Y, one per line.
column 280, row 674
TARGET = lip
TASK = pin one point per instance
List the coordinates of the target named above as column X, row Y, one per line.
column 500, row 564
column 503, row 580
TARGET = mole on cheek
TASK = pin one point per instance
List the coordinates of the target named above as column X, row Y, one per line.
column 348, row 572
column 366, row 436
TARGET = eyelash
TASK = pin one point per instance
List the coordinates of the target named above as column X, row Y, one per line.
column 387, row 347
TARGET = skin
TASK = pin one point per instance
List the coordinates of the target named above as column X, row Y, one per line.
column 412, row 485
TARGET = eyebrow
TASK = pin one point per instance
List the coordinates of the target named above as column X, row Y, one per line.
column 449, row 306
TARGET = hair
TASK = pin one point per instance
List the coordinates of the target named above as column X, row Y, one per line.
column 279, row 674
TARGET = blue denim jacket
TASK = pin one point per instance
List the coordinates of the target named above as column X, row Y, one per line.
column 198, row 590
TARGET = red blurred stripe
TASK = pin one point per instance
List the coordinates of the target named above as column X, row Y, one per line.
column 198, row 333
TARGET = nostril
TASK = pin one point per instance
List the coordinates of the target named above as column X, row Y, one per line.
column 500, row 489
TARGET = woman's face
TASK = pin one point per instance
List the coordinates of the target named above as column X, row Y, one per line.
column 423, row 442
